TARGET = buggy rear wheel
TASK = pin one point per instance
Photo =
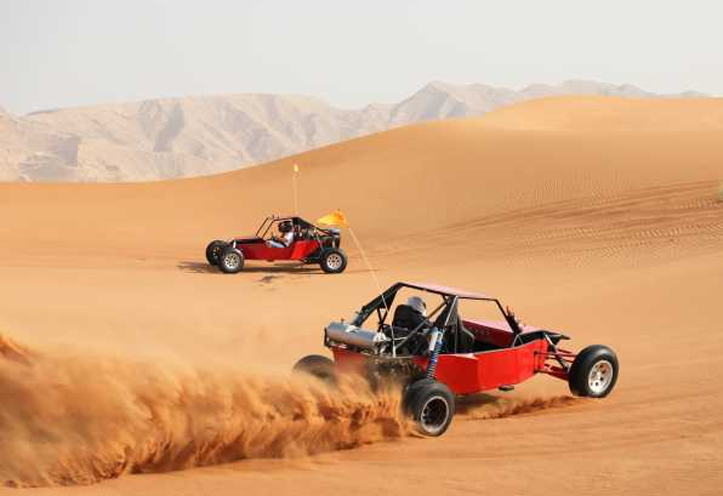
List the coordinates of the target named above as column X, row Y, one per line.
column 231, row 260
column 594, row 372
column 333, row 261
column 213, row 251
column 318, row 366
column 431, row 405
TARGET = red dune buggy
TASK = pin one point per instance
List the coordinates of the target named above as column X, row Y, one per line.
column 281, row 238
column 443, row 354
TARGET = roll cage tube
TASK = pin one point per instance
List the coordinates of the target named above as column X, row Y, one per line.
column 268, row 222
column 450, row 302
column 387, row 298
column 412, row 332
column 384, row 301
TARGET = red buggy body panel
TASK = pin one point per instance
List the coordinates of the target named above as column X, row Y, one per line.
column 470, row 372
column 482, row 371
column 350, row 361
column 257, row 249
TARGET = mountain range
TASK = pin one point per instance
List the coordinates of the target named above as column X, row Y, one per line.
column 192, row 136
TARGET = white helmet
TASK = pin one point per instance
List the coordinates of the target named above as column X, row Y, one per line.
column 417, row 304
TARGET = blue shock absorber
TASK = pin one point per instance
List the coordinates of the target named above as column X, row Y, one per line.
column 435, row 348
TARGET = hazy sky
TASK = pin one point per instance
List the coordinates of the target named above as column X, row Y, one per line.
column 57, row 53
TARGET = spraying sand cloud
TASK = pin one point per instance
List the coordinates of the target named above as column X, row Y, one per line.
column 78, row 420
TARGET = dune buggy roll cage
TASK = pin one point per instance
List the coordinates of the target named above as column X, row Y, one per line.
column 269, row 221
column 449, row 308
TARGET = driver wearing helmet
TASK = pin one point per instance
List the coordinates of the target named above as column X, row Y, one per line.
column 411, row 315
column 286, row 229
column 419, row 306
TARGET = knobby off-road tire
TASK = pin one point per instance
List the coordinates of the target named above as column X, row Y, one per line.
column 431, row 404
column 213, row 251
column 318, row 366
column 333, row 261
column 231, row 260
column 594, row 372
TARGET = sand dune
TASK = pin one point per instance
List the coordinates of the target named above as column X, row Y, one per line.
column 598, row 217
column 200, row 135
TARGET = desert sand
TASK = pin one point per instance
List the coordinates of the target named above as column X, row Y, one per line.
column 598, row 217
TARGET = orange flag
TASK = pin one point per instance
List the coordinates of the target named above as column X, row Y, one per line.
column 336, row 219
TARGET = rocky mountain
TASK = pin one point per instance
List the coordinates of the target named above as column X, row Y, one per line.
column 191, row 136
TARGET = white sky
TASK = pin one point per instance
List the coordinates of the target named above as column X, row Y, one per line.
column 75, row 52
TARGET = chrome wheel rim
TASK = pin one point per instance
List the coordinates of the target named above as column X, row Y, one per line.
column 600, row 376
column 435, row 414
column 334, row 261
column 232, row 261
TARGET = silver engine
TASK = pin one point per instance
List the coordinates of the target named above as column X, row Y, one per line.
column 351, row 335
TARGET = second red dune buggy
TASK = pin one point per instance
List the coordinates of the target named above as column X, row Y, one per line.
column 281, row 238
column 441, row 354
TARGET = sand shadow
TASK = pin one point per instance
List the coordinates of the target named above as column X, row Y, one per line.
column 197, row 268
column 277, row 268
column 204, row 268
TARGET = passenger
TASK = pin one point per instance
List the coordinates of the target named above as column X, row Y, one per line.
column 286, row 228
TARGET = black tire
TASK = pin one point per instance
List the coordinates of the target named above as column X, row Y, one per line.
column 213, row 250
column 318, row 366
column 333, row 261
column 431, row 405
column 594, row 372
column 231, row 260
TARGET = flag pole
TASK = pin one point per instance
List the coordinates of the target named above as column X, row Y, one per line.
column 339, row 219
column 295, row 186
column 372, row 271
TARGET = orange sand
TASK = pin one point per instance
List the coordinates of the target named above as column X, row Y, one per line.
column 598, row 217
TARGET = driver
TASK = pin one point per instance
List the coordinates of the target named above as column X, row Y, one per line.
column 420, row 308
column 411, row 315
column 286, row 229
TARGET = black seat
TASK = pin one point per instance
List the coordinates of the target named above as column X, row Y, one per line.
column 457, row 339
column 465, row 338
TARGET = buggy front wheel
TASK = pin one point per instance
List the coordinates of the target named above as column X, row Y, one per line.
column 333, row 261
column 231, row 260
column 594, row 372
